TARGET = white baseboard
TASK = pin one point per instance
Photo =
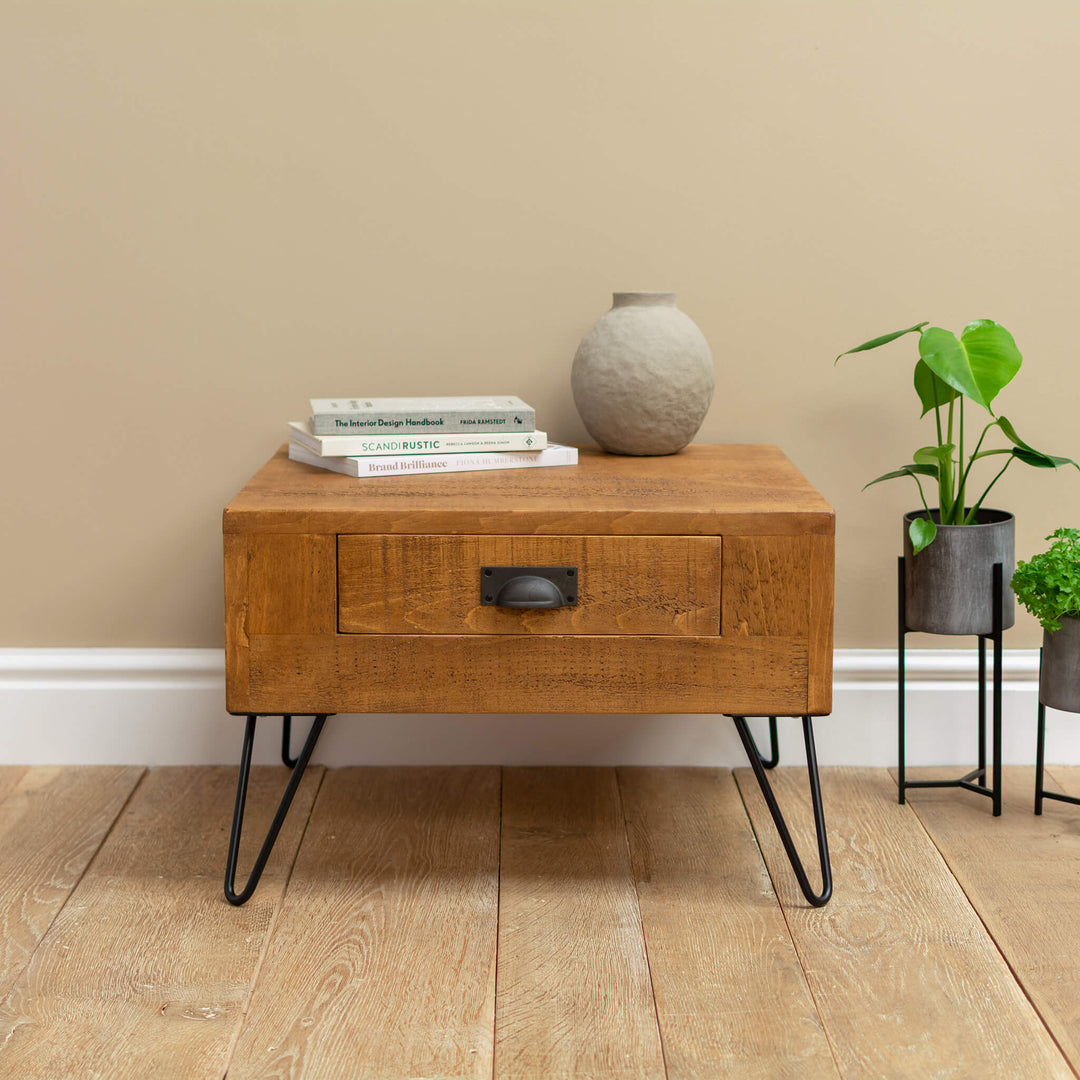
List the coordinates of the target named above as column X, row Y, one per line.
column 165, row 707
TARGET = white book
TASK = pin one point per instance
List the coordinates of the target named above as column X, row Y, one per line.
column 365, row 445
column 403, row 464
column 419, row 415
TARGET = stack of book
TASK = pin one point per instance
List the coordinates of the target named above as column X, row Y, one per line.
column 396, row 436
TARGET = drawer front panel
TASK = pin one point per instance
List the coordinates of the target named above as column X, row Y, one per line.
column 656, row 585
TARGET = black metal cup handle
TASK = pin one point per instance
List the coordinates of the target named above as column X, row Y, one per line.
column 528, row 587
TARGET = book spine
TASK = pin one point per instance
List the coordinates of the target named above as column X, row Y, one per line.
column 423, row 423
column 446, row 463
column 369, row 445
column 402, row 465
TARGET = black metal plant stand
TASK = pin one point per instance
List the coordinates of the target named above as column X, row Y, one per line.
column 1040, row 754
column 759, row 764
column 976, row 779
column 298, row 765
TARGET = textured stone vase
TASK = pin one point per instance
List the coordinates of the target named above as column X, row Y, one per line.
column 949, row 586
column 643, row 376
column 1059, row 677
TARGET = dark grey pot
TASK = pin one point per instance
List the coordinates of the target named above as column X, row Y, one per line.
column 949, row 585
column 1059, row 677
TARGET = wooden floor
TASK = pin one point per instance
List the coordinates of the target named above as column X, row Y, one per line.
column 522, row 922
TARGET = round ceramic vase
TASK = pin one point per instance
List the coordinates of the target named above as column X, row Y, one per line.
column 643, row 376
column 949, row 586
column 1059, row 676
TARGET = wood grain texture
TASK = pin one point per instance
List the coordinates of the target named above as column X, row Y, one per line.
column 10, row 778
column 274, row 584
column 701, row 491
column 822, row 585
column 574, row 997
column 731, row 997
column 237, row 671
column 766, row 586
column 1020, row 873
column 624, row 585
column 783, row 586
column 146, row 971
column 383, row 961
column 907, row 980
column 52, row 821
column 514, row 673
column 292, row 584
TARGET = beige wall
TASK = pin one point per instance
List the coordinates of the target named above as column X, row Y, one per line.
column 214, row 210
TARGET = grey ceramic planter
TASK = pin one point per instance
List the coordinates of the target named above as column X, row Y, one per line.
column 948, row 586
column 1059, row 677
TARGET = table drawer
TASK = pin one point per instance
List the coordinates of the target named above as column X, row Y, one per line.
column 426, row 584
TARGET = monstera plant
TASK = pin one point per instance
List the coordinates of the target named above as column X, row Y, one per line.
column 950, row 371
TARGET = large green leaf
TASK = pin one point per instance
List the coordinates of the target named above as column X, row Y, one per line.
column 1035, row 458
column 1028, row 454
column 873, row 343
column 932, row 391
column 906, row 470
column 978, row 363
column 934, row 455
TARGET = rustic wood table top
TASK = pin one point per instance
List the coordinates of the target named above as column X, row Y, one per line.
column 703, row 490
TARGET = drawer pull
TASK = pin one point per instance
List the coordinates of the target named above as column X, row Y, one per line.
column 528, row 586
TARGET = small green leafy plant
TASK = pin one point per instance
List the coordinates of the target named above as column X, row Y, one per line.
column 1048, row 584
column 974, row 366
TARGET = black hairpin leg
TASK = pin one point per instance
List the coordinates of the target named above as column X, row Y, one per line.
column 773, row 759
column 286, row 742
column 758, row 764
column 1040, row 791
column 298, row 766
column 976, row 779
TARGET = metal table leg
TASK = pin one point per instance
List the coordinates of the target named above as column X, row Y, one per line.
column 759, row 765
column 298, row 765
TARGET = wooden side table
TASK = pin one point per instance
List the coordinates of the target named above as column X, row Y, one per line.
column 700, row 582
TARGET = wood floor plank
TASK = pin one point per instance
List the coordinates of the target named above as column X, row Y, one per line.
column 906, row 978
column 731, row 996
column 1021, row 874
column 1064, row 779
column 10, row 775
column 383, row 959
column 146, row 970
column 52, row 821
column 574, row 994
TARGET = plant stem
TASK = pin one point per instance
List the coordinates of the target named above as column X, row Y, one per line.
column 959, row 506
column 975, row 509
column 937, row 421
column 975, row 452
column 945, row 495
column 918, row 484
